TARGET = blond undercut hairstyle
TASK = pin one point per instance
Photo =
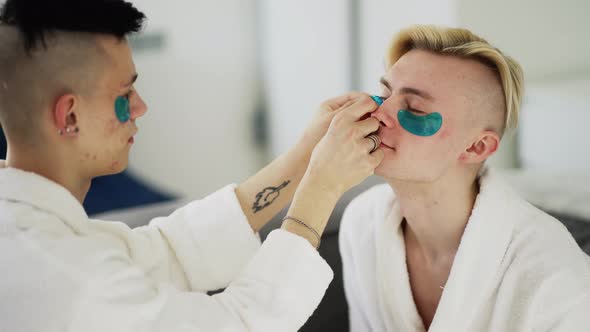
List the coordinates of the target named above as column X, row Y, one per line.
column 464, row 44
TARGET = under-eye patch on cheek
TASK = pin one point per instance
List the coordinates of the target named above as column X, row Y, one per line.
column 421, row 125
column 377, row 99
column 122, row 110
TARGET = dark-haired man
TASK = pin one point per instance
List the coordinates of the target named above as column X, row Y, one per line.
column 69, row 111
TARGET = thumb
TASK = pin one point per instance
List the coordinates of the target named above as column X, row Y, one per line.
column 377, row 157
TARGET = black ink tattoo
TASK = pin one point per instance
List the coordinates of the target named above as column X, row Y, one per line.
column 267, row 196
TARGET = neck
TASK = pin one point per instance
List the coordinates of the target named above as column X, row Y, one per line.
column 51, row 166
column 436, row 213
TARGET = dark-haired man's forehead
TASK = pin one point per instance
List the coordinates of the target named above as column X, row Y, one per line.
column 112, row 44
column 119, row 60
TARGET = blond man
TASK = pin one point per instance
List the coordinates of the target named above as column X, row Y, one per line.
column 445, row 245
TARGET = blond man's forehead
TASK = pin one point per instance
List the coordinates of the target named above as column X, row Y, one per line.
column 438, row 70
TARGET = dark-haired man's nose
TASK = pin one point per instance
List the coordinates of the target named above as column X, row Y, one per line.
column 138, row 106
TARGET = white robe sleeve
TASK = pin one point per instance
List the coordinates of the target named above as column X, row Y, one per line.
column 574, row 320
column 209, row 239
column 277, row 291
column 356, row 317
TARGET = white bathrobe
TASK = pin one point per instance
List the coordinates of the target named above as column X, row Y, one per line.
column 61, row 271
column 516, row 268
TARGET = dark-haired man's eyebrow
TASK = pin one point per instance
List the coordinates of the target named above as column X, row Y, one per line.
column 133, row 79
column 408, row 90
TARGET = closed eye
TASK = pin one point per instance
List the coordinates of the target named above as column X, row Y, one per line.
column 415, row 111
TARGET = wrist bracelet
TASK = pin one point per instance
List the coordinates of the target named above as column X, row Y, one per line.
column 306, row 226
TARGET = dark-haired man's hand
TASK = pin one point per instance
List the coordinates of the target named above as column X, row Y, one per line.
column 321, row 120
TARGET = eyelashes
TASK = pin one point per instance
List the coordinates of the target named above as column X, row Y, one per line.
column 407, row 106
column 415, row 111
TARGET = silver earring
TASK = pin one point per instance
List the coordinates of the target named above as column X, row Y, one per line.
column 68, row 130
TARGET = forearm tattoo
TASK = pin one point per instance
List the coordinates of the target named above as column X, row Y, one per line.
column 267, row 196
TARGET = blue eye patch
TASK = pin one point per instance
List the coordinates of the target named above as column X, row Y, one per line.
column 122, row 110
column 421, row 125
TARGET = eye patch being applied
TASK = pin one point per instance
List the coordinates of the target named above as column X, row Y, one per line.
column 420, row 125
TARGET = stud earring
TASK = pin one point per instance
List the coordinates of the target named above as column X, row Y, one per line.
column 68, row 131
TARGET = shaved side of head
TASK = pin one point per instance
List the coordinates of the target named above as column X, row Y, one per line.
column 52, row 48
column 487, row 98
column 31, row 80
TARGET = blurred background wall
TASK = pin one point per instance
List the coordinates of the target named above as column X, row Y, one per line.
column 232, row 83
column 198, row 73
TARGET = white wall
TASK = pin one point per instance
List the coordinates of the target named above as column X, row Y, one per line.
column 553, row 130
column 548, row 38
column 201, row 91
column 306, row 60
column 380, row 20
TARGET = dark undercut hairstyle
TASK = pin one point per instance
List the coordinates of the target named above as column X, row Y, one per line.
column 34, row 18
column 50, row 47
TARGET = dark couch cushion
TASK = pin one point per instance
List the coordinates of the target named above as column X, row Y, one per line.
column 578, row 227
column 121, row 191
column 2, row 145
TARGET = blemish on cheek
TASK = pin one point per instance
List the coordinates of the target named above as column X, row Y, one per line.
column 114, row 165
column 112, row 126
column 94, row 157
column 445, row 133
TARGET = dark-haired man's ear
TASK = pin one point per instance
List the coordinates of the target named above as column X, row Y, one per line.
column 65, row 116
column 480, row 150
